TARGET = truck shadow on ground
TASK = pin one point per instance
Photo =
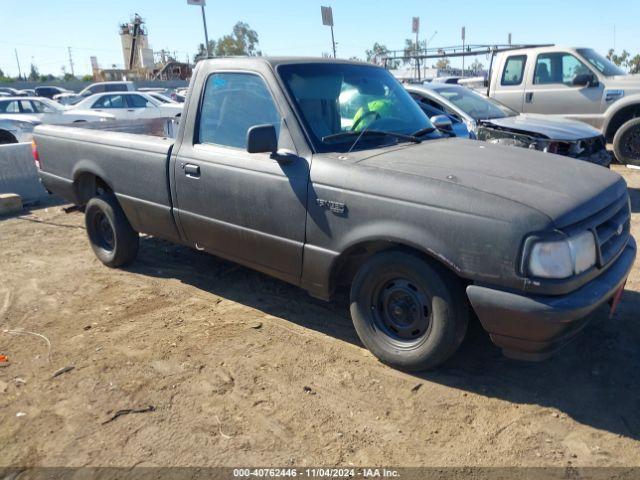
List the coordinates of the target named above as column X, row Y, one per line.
column 595, row 380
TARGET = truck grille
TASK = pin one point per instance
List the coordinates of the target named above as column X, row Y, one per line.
column 612, row 234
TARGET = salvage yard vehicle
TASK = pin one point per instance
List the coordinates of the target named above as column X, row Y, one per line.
column 50, row 92
column 576, row 83
column 46, row 111
column 419, row 225
column 128, row 106
column 488, row 120
column 99, row 87
column 13, row 130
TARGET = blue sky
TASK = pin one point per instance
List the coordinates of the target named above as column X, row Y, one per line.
column 42, row 30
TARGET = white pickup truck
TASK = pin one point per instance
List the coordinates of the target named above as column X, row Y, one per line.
column 576, row 83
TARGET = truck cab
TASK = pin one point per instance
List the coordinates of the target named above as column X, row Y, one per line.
column 575, row 83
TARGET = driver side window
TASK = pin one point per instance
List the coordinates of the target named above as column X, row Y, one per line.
column 556, row 68
column 232, row 104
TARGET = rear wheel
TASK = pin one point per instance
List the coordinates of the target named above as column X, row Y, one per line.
column 626, row 142
column 112, row 239
column 410, row 314
column 7, row 137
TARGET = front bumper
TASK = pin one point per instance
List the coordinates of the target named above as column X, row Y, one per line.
column 533, row 327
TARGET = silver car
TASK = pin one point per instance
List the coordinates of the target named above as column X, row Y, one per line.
column 491, row 121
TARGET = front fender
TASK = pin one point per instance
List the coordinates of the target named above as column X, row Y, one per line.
column 616, row 107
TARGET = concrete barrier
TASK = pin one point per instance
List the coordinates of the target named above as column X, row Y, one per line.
column 18, row 173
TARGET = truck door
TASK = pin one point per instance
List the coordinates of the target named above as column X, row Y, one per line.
column 550, row 88
column 246, row 207
column 510, row 91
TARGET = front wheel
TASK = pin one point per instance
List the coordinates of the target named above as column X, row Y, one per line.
column 112, row 239
column 626, row 142
column 410, row 314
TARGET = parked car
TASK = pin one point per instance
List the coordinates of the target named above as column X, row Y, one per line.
column 100, row 87
column 162, row 98
column 575, row 83
column 486, row 119
column 49, row 92
column 265, row 172
column 128, row 105
column 47, row 111
column 14, row 129
column 448, row 80
column 11, row 92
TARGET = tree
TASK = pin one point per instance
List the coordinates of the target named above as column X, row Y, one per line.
column 243, row 41
column 476, row 66
column 87, row 78
column 202, row 53
column 443, row 64
column 620, row 60
column 34, row 75
column 634, row 64
column 378, row 50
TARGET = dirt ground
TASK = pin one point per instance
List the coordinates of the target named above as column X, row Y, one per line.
column 244, row 370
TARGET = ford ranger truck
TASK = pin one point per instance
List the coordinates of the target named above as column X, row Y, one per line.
column 267, row 169
column 575, row 83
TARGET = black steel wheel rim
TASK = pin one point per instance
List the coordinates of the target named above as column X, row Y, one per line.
column 103, row 233
column 402, row 311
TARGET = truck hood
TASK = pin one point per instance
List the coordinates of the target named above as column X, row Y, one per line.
column 630, row 84
column 625, row 80
column 564, row 189
column 549, row 127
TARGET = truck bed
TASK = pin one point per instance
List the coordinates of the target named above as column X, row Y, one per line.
column 155, row 127
column 132, row 159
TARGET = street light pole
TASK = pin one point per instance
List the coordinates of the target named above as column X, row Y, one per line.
column 333, row 42
column 206, row 34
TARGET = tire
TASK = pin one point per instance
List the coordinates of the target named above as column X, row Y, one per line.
column 112, row 239
column 410, row 314
column 626, row 142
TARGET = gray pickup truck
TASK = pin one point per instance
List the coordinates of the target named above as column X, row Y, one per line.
column 269, row 170
column 575, row 83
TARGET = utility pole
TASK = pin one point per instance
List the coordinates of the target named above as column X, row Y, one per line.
column 71, row 62
column 206, row 34
column 18, row 61
column 415, row 26
column 463, row 39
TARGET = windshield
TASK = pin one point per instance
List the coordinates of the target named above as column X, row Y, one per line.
column 336, row 98
column 47, row 103
column 475, row 105
column 603, row 65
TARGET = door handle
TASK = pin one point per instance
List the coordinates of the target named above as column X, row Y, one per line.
column 528, row 97
column 191, row 170
column 131, row 110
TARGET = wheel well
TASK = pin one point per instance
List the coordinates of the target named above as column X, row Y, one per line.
column 7, row 137
column 350, row 261
column 87, row 185
column 621, row 117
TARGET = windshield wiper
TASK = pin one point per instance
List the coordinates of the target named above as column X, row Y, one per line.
column 351, row 134
column 423, row 131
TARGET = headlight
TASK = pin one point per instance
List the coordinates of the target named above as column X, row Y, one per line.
column 563, row 258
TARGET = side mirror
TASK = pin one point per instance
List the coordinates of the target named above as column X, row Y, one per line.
column 442, row 122
column 584, row 80
column 262, row 139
